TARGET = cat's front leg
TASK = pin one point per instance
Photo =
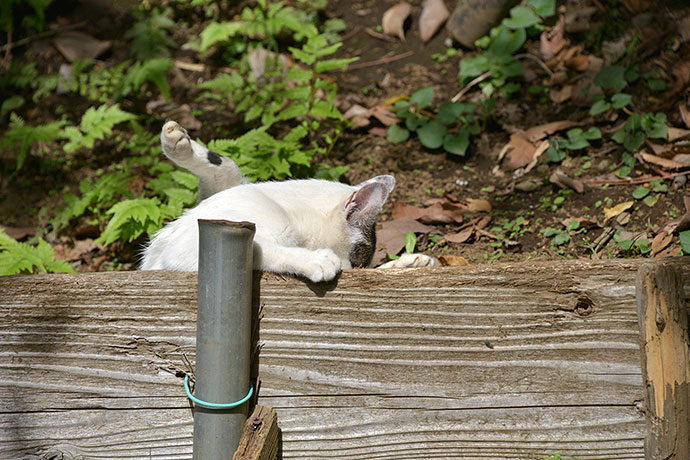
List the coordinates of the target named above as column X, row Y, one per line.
column 412, row 260
column 317, row 266
column 215, row 172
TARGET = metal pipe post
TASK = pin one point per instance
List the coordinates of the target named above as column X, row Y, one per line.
column 223, row 335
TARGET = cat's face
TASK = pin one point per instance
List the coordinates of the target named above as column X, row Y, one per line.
column 361, row 210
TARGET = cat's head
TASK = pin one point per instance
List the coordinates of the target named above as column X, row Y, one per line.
column 361, row 209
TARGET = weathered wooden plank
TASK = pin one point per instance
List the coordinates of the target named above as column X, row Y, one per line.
column 665, row 361
column 260, row 437
column 502, row 361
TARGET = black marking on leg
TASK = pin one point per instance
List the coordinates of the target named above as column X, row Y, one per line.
column 214, row 158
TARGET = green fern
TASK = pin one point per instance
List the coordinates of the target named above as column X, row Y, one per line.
column 94, row 198
column 217, row 32
column 153, row 71
column 96, row 123
column 131, row 219
column 16, row 257
column 25, row 136
column 150, row 35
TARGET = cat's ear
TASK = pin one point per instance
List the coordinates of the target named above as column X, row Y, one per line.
column 362, row 207
column 387, row 181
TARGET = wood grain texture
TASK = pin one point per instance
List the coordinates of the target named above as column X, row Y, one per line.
column 497, row 361
column 665, row 356
column 260, row 437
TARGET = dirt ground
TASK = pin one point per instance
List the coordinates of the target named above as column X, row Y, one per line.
column 421, row 174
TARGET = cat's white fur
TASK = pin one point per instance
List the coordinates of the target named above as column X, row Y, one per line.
column 311, row 228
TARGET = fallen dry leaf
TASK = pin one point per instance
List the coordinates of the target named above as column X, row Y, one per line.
column 537, row 133
column 434, row 14
column 520, row 151
column 162, row 110
column 384, row 115
column 551, row 42
column 453, row 261
column 685, row 114
column 613, row 211
column 677, row 134
column 75, row 45
column 564, row 181
column 390, row 236
column 460, row 237
column 681, row 72
column 683, row 222
column 665, row 163
column 378, row 131
column 478, row 205
column 613, row 50
column 528, row 185
column 440, row 212
column 684, row 28
column 584, row 222
column 393, row 20
column 71, row 254
column 579, row 62
column 660, row 241
column 559, row 96
column 18, row 233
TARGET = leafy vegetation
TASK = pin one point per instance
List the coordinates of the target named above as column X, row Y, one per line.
column 290, row 120
column 17, row 257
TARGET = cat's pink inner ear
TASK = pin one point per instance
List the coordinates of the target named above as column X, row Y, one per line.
column 364, row 205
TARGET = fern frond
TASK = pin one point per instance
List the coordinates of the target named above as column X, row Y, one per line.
column 153, row 70
column 96, row 123
column 26, row 135
column 130, row 219
column 218, row 32
column 17, row 257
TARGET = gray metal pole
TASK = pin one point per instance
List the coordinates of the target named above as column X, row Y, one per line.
column 223, row 335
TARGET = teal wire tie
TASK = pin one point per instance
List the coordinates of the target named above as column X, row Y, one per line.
column 211, row 405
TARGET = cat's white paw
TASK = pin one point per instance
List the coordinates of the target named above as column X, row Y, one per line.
column 176, row 142
column 323, row 265
column 412, row 260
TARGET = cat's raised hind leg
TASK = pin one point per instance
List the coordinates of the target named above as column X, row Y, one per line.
column 215, row 172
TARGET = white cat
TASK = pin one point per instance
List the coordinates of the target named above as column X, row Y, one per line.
column 312, row 228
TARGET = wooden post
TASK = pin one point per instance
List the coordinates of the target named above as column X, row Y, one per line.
column 665, row 347
column 260, row 436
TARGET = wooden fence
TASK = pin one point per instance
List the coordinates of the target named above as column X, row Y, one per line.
column 501, row 361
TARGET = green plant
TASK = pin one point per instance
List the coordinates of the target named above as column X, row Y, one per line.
column 610, row 79
column 96, row 123
column 560, row 236
column 25, row 136
column 150, row 34
column 35, row 21
column 262, row 23
column 410, row 242
column 633, row 134
column 685, row 241
column 94, row 198
column 451, row 128
column 577, row 139
column 498, row 58
column 632, row 246
column 297, row 99
column 17, row 257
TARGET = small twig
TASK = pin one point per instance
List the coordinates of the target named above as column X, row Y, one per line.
column 378, row 35
column 637, row 180
column 383, row 60
column 47, row 33
column 350, row 34
column 467, row 87
column 537, row 60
